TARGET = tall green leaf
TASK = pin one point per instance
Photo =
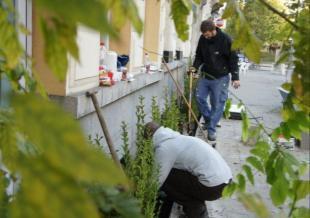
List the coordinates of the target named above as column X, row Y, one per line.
column 255, row 163
column 279, row 191
column 229, row 189
column 241, row 182
column 249, row 173
column 180, row 9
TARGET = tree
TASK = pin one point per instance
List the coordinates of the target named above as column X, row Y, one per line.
column 267, row 26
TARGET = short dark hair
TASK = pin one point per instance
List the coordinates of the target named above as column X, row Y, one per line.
column 150, row 128
column 207, row 25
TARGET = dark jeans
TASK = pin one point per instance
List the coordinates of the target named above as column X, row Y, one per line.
column 185, row 189
column 218, row 91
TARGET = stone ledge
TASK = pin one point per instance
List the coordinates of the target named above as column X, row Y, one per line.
column 79, row 105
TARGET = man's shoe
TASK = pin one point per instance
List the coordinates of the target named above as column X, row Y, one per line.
column 212, row 136
column 218, row 124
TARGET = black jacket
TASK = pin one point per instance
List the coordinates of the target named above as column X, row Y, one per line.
column 216, row 57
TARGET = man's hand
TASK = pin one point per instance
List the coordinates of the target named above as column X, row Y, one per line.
column 235, row 83
column 191, row 70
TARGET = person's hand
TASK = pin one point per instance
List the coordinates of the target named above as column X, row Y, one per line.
column 235, row 83
column 191, row 70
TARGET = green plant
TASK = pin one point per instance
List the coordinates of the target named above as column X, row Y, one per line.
column 155, row 111
column 171, row 114
column 142, row 169
column 113, row 203
column 96, row 141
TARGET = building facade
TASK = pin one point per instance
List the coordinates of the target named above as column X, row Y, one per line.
column 118, row 102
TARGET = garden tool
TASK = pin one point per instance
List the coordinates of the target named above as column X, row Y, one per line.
column 104, row 128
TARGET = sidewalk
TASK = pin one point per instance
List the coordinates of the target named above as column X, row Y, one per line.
column 259, row 92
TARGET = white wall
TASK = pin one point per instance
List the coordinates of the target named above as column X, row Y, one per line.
column 83, row 75
column 137, row 42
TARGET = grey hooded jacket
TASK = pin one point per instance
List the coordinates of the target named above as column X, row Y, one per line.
column 173, row 150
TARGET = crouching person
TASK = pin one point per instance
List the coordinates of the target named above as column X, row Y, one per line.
column 190, row 171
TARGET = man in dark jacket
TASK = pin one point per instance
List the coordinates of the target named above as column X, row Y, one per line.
column 215, row 58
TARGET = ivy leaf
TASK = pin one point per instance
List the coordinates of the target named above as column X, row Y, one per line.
column 179, row 12
column 249, row 173
column 254, row 203
column 279, row 191
column 229, row 189
column 255, row 163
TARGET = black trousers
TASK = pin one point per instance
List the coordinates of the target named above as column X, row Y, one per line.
column 185, row 189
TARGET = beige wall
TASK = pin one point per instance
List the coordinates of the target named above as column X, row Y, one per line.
column 151, row 27
column 45, row 75
column 122, row 44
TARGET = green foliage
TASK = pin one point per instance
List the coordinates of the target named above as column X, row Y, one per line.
column 301, row 212
column 248, row 172
column 183, row 106
column 227, row 108
column 113, row 202
column 245, row 126
column 4, row 198
column 142, row 169
column 254, row 203
column 180, row 9
column 267, row 26
column 10, row 48
column 241, row 31
column 171, row 113
column 155, row 111
column 46, row 174
column 127, row 156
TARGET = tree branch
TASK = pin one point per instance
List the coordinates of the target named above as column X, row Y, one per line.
column 271, row 8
